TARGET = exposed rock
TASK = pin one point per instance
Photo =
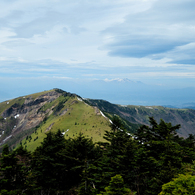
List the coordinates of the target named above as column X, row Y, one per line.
column 27, row 114
column 49, row 128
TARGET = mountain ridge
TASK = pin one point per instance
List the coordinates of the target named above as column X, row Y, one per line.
column 36, row 114
column 141, row 114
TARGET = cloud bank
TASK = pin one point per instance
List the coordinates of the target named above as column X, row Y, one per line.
column 149, row 41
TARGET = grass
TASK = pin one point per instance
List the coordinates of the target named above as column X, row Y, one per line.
column 78, row 117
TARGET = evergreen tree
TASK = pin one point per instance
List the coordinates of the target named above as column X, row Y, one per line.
column 159, row 156
column 118, row 156
column 80, row 153
column 13, row 173
column 49, row 169
column 116, row 187
column 146, row 162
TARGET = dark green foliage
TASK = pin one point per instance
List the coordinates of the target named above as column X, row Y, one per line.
column 80, row 153
column 64, row 93
column 59, row 165
column 143, row 163
column 14, row 107
column 36, row 138
column 116, row 187
column 48, row 164
column 59, row 90
column 14, row 171
column 159, row 156
column 45, row 119
column 117, row 156
column 116, row 124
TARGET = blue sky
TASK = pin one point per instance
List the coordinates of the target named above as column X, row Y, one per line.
column 52, row 42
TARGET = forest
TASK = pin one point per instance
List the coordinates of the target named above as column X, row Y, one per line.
column 154, row 160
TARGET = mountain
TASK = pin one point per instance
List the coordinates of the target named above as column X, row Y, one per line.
column 27, row 119
column 189, row 105
column 141, row 114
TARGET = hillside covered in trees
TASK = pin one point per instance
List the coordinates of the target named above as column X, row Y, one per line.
column 140, row 114
column 143, row 164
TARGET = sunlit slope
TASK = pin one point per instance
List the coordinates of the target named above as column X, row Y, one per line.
column 27, row 119
column 73, row 117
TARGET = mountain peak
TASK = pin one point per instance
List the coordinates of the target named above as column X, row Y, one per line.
column 119, row 80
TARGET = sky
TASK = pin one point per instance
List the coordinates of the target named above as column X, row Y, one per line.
column 48, row 44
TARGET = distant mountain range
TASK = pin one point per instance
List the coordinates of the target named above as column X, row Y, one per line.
column 188, row 105
column 117, row 91
column 127, row 92
column 126, row 80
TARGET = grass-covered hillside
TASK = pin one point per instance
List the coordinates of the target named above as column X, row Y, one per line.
column 27, row 119
column 72, row 117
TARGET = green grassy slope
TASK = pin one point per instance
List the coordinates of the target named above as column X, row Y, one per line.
column 74, row 117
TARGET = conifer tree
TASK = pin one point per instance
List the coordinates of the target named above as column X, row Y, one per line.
column 13, row 173
column 49, row 170
column 117, row 157
column 116, row 187
column 159, row 156
column 80, row 153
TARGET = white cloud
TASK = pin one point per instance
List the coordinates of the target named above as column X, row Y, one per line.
column 135, row 39
column 152, row 33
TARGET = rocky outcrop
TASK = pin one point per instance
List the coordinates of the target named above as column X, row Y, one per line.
column 28, row 114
